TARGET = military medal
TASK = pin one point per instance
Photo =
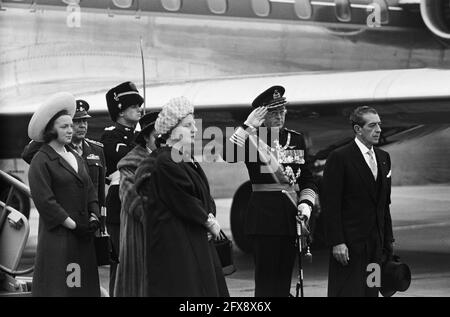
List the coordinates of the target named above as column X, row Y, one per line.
column 286, row 157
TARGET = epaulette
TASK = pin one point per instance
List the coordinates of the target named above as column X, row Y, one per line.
column 293, row 131
column 110, row 128
column 94, row 142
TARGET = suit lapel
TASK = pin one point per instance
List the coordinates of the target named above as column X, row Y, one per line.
column 67, row 166
column 363, row 169
column 55, row 156
column 382, row 171
column 199, row 175
column 200, row 171
column 86, row 150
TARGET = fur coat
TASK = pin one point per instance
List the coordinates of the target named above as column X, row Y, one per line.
column 131, row 271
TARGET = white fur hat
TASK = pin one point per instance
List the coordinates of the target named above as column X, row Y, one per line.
column 172, row 113
column 53, row 105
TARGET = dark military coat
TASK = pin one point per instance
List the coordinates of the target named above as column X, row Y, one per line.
column 58, row 192
column 117, row 141
column 95, row 160
column 271, row 212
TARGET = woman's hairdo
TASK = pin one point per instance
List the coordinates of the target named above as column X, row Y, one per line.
column 49, row 133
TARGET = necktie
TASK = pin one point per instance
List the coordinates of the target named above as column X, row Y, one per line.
column 372, row 163
column 79, row 149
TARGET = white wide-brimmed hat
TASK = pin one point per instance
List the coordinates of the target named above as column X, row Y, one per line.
column 53, row 105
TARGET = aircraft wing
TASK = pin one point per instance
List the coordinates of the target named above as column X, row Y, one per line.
column 312, row 88
column 413, row 104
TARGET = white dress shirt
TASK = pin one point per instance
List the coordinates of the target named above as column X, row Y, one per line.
column 364, row 150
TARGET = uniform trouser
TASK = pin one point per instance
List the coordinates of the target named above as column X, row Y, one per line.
column 114, row 232
column 351, row 280
column 274, row 258
column 113, row 226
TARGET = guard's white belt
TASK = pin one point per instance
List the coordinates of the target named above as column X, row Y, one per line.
column 115, row 178
column 274, row 187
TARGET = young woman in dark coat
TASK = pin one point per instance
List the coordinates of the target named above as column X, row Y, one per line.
column 181, row 257
column 66, row 200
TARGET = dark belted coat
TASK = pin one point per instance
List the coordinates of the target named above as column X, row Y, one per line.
column 58, row 192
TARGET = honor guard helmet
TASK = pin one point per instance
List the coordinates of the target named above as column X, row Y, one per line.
column 121, row 97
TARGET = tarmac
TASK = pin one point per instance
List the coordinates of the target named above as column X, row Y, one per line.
column 421, row 219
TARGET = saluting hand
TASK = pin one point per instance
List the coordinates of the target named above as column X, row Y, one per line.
column 340, row 253
column 256, row 118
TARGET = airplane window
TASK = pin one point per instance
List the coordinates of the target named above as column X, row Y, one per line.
column 261, row 7
column 343, row 11
column 69, row 2
column 303, row 9
column 217, row 6
column 171, row 5
column 123, row 4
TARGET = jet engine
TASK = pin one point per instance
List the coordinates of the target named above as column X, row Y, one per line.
column 436, row 15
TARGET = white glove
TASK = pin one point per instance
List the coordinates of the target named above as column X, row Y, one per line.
column 256, row 117
column 213, row 226
column 304, row 210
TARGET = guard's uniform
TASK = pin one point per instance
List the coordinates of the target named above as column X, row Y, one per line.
column 92, row 153
column 117, row 141
column 271, row 215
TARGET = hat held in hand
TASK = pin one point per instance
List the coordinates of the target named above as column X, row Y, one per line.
column 395, row 277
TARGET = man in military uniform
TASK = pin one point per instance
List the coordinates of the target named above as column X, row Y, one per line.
column 91, row 151
column 275, row 160
column 124, row 106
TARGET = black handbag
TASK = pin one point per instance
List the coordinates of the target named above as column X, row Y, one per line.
column 224, row 248
column 104, row 250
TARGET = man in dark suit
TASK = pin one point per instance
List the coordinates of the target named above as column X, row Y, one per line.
column 355, row 201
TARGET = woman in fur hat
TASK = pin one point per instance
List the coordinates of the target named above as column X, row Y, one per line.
column 182, row 260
